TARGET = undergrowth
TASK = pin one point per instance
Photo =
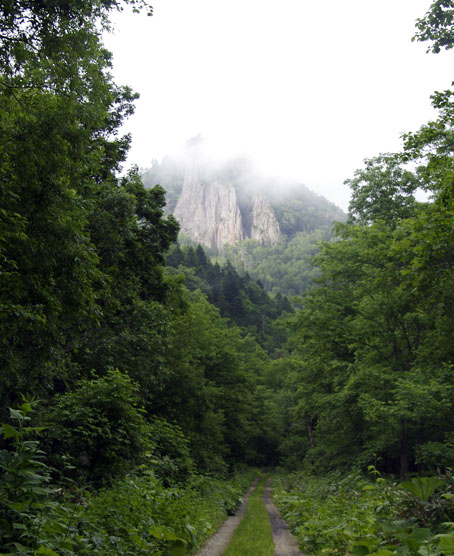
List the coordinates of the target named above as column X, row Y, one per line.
column 357, row 515
column 134, row 515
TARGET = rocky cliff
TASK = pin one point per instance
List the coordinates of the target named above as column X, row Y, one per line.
column 209, row 211
column 264, row 226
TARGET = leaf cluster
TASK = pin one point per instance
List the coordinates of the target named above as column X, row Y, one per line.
column 135, row 515
column 351, row 514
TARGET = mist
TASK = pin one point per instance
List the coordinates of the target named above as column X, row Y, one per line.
column 202, row 162
column 307, row 90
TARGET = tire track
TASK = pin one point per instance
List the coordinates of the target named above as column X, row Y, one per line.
column 285, row 543
column 217, row 544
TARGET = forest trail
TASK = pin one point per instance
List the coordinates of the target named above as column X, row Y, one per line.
column 284, row 542
column 217, row 544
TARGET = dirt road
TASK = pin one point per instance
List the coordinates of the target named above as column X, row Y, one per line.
column 217, row 544
column 284, row 542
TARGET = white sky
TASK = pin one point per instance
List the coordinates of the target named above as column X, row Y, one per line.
column 309, row 88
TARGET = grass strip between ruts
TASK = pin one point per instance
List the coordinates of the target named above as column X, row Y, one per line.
column 253, row 535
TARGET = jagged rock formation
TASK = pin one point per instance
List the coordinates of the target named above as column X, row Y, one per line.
column 208, row 210
column 264, row 226
column 225, row 202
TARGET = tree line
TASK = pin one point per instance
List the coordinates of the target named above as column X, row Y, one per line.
column 132, row 345
column 371, row 357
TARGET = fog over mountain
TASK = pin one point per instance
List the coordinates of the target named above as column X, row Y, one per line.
column 221, row 200
column 308, row 89
column 264, row 225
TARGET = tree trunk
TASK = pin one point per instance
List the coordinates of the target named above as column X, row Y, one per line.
column 404, row 450
column 310, row 431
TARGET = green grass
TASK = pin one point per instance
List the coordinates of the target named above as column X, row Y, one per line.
column 253, row 536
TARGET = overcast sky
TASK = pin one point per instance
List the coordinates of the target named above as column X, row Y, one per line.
column 309, row 88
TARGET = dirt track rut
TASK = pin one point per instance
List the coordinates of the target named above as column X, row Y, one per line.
column 217, row 544
column 284, row 542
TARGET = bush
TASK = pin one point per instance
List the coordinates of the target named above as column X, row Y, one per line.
column 170, row 455
column 353, row 515
column 134, row 515
column 335, row 513
column 100, row 426
column 435, row 455
column 24, row 484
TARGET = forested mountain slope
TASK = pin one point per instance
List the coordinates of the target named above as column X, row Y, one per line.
column 266, row 227
column 238, row 297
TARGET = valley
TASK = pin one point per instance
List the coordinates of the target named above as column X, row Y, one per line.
column 170, row 334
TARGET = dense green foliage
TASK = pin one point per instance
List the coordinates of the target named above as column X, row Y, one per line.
column 372, row 351
column 142, row 384
column 238, row 297
column 373, row 336
column 99, row 426
column 286, row 268
column 83, row 285
column 59, row 154
column 156, row 382
column 354, row 515
column 135, row 515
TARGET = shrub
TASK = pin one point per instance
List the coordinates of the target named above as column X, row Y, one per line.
column 170, row 455
column 135, row 515
column 100, row 426
column 24, row 483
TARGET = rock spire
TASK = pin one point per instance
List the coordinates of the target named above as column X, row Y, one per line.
column 209, row 210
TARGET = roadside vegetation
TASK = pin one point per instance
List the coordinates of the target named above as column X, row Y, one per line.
column 158, row 508
column 362, row 515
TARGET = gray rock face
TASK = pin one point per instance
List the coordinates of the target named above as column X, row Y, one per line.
column 264, row 226
column 208, row 210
